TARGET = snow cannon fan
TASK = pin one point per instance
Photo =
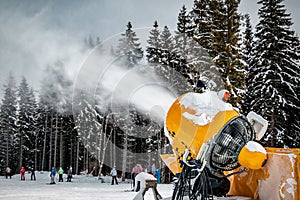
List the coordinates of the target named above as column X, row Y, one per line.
column 208, row 137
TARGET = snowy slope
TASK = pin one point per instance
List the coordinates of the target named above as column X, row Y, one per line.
column 81, row 188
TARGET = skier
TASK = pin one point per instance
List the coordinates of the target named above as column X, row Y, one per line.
column 69, row 174
column 7, row 172
column 52, row 175
column 60, row 174
column 32, row 174
column 22, row 172
column 113, row 173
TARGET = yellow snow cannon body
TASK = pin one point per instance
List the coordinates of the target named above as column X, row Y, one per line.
column 206, row 126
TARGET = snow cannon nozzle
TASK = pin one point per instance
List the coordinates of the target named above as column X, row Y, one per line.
column 253, row 155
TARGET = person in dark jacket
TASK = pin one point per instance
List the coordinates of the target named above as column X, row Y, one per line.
column 32, row 174
column 113, row 174
column 52, row 175
column 69, row 174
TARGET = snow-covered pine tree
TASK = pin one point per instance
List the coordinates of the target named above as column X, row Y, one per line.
column 247, row 39
column 274, row 75
column 247, row 52
column 171, row 65
column 183, row 34
column 35, row 131
column 2, row 145
column 154, row 50
column 167, row 46
column 128, row 48
column 8, row 119
column 225, row 49
column 90, row 131
column 202, row 17
column 26, row 124
column 43, row 132
column 187, row 49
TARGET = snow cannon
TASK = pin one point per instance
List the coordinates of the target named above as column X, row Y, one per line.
column 206, row 131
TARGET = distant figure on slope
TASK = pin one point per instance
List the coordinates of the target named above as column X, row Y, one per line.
column 135, row 171
column 52, row 175
column 113, row 174
column 32, row 174
column 153, row 170
column 146, row 168
column 69, row 174
column 158, row 175
column 7, row 172
column 22, row 172
column 60, row 175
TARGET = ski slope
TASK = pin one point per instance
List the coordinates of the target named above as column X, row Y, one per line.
column 81, row 188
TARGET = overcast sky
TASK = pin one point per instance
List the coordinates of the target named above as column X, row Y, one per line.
column 34, row 34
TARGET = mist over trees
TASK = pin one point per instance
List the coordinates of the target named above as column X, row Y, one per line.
column 212, row 43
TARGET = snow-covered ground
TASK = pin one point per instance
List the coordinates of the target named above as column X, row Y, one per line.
column 81, row 187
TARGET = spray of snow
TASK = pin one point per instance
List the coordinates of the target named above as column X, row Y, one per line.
column 206, row 105
column 115, row 85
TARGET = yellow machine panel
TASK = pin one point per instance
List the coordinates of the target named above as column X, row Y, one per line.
column 184, row 133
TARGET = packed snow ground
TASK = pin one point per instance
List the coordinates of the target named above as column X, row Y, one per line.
column 82, row 187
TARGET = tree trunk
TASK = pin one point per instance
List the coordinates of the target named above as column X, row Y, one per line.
column 105, row 143
column 111, row 155
column 77, row 156
column 71, row 153
column 159, row 150
column 114, row 148
column 124, row 160
column 35, row 152
column 55, row 140
column 61, row 149
column 87, row 160
column 100, row 150
column 51, row 132
column 44, row 147
column 7, row 147
column 21, row 150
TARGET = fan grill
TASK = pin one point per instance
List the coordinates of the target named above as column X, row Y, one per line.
column 229, row 142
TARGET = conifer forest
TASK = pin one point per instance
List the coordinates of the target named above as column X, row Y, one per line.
column 259, row 65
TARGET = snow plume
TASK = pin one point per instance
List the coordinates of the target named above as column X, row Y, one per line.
column 30, row 42
column 115, row 87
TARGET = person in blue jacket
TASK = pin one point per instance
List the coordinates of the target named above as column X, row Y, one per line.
column 158, row 175
column 52, row 175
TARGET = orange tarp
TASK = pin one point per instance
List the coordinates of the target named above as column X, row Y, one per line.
column 279, row 179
